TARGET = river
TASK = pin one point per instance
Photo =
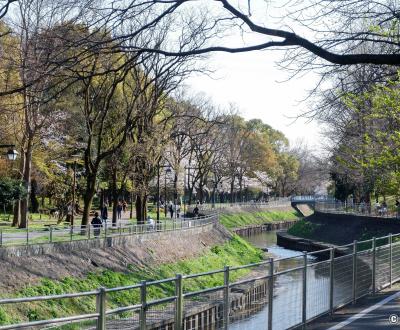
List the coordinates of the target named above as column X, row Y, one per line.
column 287, row 303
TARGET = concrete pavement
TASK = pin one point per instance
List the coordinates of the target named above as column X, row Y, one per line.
column 375, row 312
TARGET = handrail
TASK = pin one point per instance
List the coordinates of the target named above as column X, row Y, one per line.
column 179, row 295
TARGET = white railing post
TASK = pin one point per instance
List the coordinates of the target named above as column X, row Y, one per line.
column 179, row 302
column 101, row 309
column 331, row 279
column 143, row 307
column 227, row 306
column 390, row 259
column 374, row 265
column 354, row 278
column 304, row 300
column 270, row 292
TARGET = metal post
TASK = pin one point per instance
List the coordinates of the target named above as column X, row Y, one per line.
column 120, row 228
column 270, row 292
column 1, row 237
column 105, row 229
column 27, row 236
column 374, row 265
column 51, row 234
column 331, row 279
column 390, row 259
column 71, row 232
column 88, row 226
column 73, row 195
column 143, row 307
column 179, row 302
column 227, row 306
column 158, row 191
column 304, row 302
column 354, row 279
column 101, row 309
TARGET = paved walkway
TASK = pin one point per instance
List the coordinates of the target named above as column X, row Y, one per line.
column 381, row 311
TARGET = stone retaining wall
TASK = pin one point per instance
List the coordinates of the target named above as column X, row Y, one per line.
column 98, row 243
column 256, row 229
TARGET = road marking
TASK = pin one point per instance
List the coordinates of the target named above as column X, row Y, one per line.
column 364, row 312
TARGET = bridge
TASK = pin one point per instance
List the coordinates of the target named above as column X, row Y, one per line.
column 307, row 199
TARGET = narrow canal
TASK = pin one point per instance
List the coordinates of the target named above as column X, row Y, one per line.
column 288, row 288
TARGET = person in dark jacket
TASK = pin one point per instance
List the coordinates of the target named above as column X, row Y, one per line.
column 104, row 213
column 97, row 223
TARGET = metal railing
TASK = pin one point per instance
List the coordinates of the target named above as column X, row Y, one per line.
column 278, row 202
column 286, row 292
column 363, row 209
column 53, row 234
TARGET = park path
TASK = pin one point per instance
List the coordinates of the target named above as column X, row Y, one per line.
column 375, row 312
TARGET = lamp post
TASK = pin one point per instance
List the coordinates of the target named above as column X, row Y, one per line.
column 11, row 152
column 167, row 171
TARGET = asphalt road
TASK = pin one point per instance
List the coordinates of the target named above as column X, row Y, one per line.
column 381, row 311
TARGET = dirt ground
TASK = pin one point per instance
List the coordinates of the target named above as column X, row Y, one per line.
column 18, row 271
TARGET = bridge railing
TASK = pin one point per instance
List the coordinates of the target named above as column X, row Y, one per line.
column 54, row 234
column 291, row 292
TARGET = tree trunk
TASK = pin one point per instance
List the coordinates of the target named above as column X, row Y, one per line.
column 114, row 193
column 88, row 198
column 141, row 209
column 232, row 187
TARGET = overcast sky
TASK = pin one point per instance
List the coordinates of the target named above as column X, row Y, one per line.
column 260, row 90
column 255, row 83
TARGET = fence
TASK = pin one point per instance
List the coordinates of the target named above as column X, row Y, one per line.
column 283, row 293
column 363, row 209
column 53, row 234
column 278, row 202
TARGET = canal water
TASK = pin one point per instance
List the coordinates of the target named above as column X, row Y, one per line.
column 288, row 288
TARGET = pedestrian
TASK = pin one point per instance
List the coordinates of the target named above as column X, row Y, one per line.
column 196, row 212
column 70, row 210
column 124, row 205
column 119, row 210
column 384, row 208
column 171, row 209
column 150, row 224
column 178, row 210
column 104, row 213
column 97, row 223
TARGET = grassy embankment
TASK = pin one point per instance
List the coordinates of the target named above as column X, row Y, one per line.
column 243, row 219
column 235, row 252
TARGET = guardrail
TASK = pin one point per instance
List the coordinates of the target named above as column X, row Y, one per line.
column 53, row 234
column 361, row 209
column 279, row 202
column 306, row 284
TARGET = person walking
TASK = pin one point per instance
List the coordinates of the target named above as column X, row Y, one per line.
column 178, row 210
column 119, row 210
column 97, row 223
column 104, row 213
column 171, row 209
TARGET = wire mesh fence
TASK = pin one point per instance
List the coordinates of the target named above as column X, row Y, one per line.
column 286, row 292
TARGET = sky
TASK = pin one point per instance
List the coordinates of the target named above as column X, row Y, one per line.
column 258, row 87
column 261, row 90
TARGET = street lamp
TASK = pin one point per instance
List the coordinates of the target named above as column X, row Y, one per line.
column 12, row 154
column 167, row 171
